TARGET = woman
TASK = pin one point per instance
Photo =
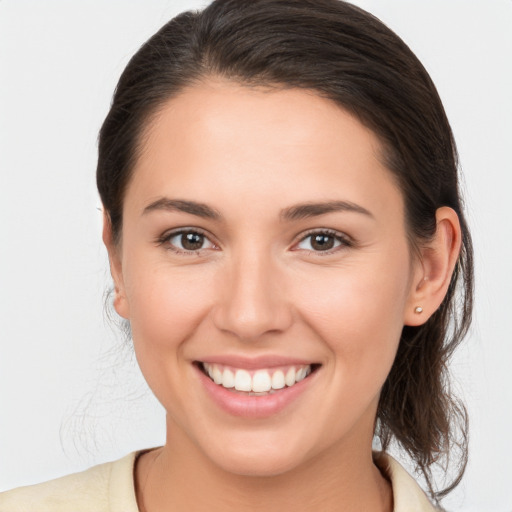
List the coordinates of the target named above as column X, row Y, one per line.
column 285, row 233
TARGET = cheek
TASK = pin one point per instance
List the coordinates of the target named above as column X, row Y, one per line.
column 166, row 307
column 359, row 316
column 162, row 304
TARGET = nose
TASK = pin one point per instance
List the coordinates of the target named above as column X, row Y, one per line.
column 252, row 298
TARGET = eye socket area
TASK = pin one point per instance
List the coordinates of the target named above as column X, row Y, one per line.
column 187, row 241
column 323, row 241
column 191, row 240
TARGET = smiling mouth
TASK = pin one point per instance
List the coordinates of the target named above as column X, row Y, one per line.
column 258, row 382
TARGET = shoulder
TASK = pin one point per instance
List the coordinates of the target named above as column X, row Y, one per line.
column 107, row 487
column 407, row 494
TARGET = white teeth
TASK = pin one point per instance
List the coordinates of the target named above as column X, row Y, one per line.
column 300, row 375
column 215, row 374
column 243, row 380
column 260, row 382
column 228, row 378
column 290, row 377
column 278, row 380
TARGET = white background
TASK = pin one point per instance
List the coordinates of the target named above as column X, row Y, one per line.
column 70, row 394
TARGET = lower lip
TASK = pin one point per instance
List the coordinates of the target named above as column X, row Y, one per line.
column 248, row 406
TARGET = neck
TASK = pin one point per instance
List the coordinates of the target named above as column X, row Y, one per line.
column 179, row 477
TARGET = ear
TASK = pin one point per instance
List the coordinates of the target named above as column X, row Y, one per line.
column 116, row 270
column 434, row 268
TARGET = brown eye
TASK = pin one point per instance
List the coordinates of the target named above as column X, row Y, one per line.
column 189, row 241
column 192, row 241
column 322, row 242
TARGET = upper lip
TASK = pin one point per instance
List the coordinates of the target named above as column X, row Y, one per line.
column 253, row 363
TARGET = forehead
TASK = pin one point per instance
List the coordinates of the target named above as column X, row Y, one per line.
column 289, row 144
column 220, row 107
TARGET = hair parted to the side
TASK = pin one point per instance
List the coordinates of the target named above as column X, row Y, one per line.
column 345, row 54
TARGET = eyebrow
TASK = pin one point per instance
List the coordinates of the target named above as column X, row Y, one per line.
column 296, row 212
column 306, row 210
column 181, row 205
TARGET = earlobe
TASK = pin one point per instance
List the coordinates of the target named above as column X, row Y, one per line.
column 116, row 271
column 434, row 270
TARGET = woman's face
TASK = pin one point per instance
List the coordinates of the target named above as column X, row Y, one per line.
column 263, row 241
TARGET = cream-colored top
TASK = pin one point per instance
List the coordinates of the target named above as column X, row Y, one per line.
column 110, row 487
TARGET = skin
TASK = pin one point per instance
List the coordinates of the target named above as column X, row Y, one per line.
column 258, row 287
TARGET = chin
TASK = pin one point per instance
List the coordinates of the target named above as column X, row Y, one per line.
column 256, row 461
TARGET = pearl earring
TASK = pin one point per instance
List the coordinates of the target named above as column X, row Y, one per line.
column 418, row 310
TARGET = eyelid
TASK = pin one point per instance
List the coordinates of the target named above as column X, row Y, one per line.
column 165, row 237
column 346, row 241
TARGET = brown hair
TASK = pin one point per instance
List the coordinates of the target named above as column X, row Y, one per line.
column 345, row 54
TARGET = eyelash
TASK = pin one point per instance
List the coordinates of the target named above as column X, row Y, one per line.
column 167, row 237
column 344, row 241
